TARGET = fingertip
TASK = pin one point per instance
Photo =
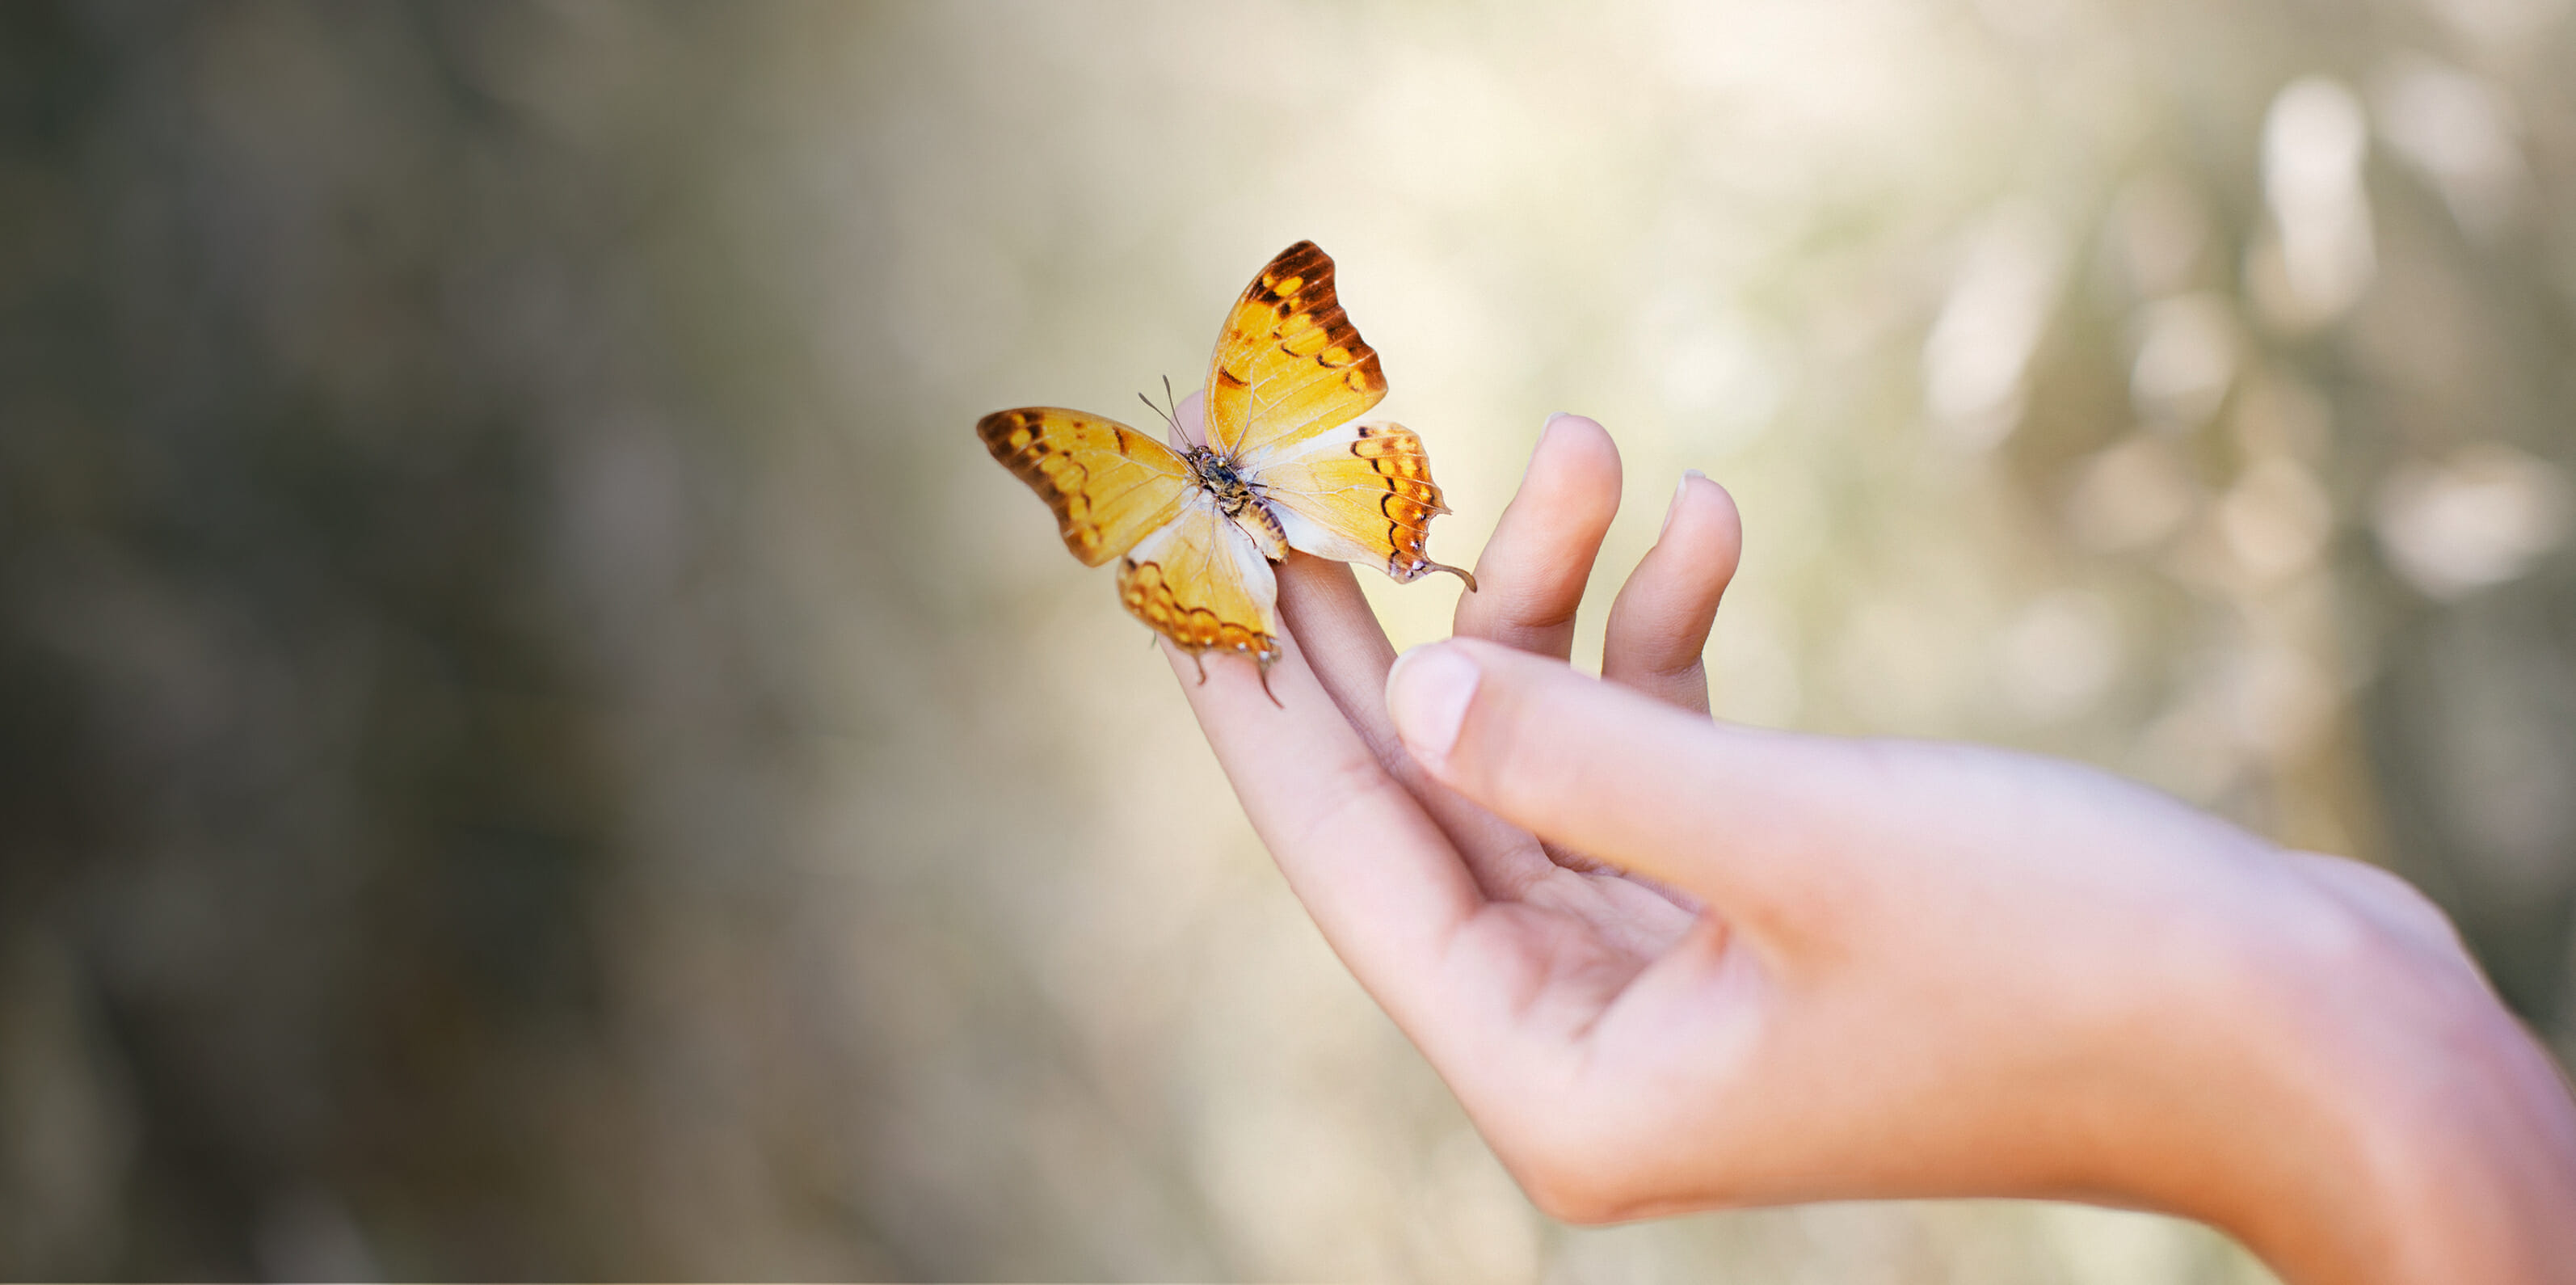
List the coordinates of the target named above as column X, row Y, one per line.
column 1531, row 575
column 1577, row 446
column 1571, row 488
column 1698, row 487
column 1547, row 428
column 1191, row 415
column 1660, row 622
column 1707, row 520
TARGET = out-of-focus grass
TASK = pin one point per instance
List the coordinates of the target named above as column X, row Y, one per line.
column 539, row 745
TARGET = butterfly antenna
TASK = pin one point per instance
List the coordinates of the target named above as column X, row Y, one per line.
column 1169, row 410
column 1149, row 405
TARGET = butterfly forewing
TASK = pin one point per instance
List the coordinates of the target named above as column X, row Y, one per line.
column 1289, row 363
column 1109, row 485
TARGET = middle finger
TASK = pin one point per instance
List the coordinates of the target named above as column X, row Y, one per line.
column 1530, row 579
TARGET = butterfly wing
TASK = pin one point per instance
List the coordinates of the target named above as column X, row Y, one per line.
column 1110, row 486
column 1289, row 364
column 1359, row 493
column 1201, row 582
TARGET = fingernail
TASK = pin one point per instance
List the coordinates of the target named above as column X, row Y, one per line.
column 1546, row 430
column 1427, row 694
column 1539, row 447
column 1680, row 489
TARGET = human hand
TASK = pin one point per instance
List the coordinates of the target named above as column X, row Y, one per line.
column 1670, row 964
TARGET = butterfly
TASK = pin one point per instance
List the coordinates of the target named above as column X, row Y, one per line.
column 1195, row 525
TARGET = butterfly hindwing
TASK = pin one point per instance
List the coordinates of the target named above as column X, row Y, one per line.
column 1359, row 493
column 1109, row 485
column 1289, row 363
column 1202, row 582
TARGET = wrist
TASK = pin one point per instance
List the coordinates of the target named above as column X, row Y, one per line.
column 2414, row 1131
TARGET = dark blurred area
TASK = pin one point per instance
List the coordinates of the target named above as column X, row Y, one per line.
column 312, row 718
column 532, row 743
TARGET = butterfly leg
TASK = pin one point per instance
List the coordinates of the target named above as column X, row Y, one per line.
column 1264, row 664
column 1199, row 658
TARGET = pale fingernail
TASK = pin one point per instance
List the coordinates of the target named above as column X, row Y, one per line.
column 1545, row 430
column 1427, row 694
column 1680, row 489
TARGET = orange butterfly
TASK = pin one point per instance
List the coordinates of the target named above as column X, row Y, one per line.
column 1199, row 523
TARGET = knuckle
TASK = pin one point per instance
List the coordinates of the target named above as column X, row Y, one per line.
column 1678, row 667
column 1681, row 676
column 1524, row 621
column 1526, row 613
column 1545, row 596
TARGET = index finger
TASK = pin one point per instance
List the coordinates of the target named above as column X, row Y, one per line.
column 1378, row 875
column 1534, row 568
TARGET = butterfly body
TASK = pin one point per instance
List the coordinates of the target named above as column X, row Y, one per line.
column 1234, row 497
column 1195, row 526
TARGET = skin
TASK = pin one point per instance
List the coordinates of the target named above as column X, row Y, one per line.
column 1670, row 964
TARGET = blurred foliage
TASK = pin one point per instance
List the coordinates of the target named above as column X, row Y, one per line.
column 532, row 742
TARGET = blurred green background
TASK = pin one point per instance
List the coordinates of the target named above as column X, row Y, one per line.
column 534, row 741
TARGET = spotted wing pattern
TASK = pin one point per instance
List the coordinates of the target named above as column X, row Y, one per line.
column 1110, row 486
column 1201, row 582
column 1289, row 363
column 1359, row 493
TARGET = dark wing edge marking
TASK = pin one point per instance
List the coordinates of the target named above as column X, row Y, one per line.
column 1018, row 441
column 1312, row 271
column 1412, row 499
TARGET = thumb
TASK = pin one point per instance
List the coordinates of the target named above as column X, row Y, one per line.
column 1755, row 822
